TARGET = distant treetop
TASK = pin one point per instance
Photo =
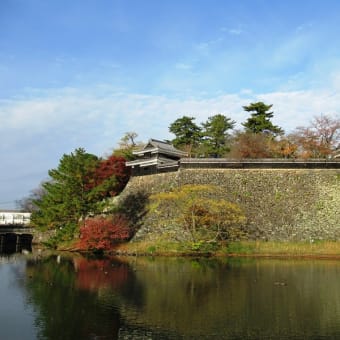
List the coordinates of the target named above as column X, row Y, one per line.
column 260, row 120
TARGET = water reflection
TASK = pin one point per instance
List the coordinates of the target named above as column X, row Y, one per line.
column 79, row 298
column 67, row 294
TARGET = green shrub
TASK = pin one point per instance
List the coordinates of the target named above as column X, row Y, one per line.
column 200, row 212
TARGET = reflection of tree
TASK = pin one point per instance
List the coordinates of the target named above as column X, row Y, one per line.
column 65, row 311
column 107, row 275
column 98, row 274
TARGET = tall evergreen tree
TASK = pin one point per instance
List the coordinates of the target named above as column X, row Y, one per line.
column 188, row 134
column 260, row 120
column 215, row 132
column 67, row 198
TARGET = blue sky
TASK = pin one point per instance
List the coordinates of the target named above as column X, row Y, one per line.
column 81, row 73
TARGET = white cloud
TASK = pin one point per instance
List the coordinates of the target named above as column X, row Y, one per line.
column 235, row 31
column 97, row 116
column 297, row 108
column 183, row 66
column 232, row 31
column 205, row 47
column 36, row 131
column 304, row 27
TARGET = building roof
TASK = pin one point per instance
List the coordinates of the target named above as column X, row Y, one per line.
column 157, row 146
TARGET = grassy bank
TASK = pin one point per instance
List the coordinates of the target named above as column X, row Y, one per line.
column 244, row 248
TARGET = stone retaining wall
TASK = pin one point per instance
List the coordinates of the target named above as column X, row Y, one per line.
column 280, row 204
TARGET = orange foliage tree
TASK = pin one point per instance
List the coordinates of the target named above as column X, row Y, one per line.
column 262, row 145
column 319, row 139
column 251, row 145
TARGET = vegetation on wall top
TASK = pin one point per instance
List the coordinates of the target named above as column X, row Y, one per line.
column 260, row 138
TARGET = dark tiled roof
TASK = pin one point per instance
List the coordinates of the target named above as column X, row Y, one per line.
column 161, row 147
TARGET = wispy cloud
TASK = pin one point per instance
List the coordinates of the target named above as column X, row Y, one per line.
column 298, row 108
column 304, row 27
column 232, row 30
column 235, row 31
column 38, row 129
column 95, row 114
column 206, row 46
column 183, row 66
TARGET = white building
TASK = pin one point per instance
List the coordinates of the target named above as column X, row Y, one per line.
column 14, row 217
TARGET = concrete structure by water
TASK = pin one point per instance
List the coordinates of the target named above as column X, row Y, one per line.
column 14, row 217
column 15, row 234
column 12, row 242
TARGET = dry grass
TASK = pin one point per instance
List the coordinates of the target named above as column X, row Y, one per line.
column 320, row 248
column 246, row 248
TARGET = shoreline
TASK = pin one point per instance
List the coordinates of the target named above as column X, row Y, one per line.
column 323, row 250
column 245, row 249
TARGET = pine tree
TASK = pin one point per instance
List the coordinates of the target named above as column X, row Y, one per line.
column 215, row 132
column 67, row 199
column 188, row 134
column 260, row 119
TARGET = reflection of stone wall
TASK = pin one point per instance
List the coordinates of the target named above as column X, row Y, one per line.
column 280, row 204
column 236, row 298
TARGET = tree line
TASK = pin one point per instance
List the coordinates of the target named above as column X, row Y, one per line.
column 259, row 138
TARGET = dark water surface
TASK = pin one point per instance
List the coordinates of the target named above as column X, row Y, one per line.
column 59, row 296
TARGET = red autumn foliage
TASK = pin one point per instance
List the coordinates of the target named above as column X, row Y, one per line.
column 110, row 176
column 102, row 233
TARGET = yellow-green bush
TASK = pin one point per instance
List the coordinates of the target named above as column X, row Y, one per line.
column 200, row 213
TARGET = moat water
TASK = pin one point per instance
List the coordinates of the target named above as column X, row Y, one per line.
column 60, row 296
